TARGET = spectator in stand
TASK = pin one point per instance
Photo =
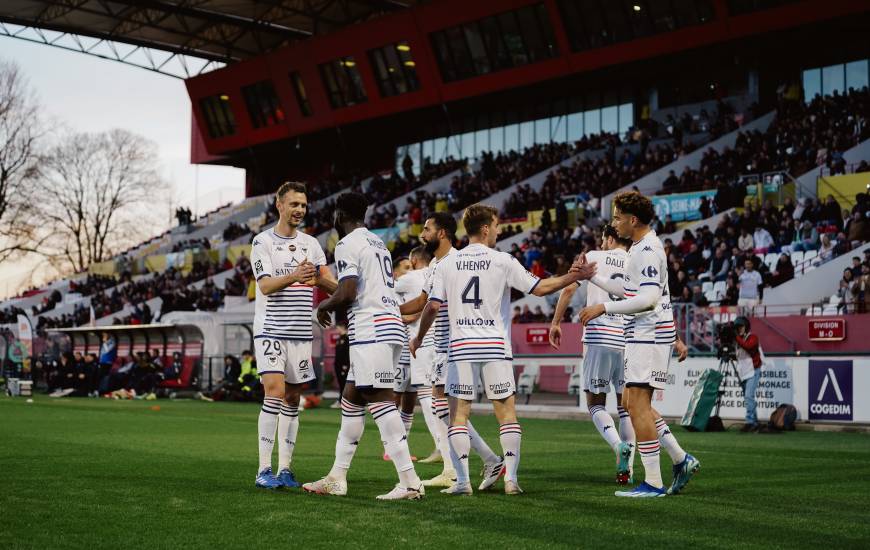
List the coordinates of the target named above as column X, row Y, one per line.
column 750, row 282
column 720, row 265
column 858, row 229
column 783, row 271
column 745, row 243
column 844, row 293
column 807, row 238
column 763, row 240
column 860, row 289
column 826, row 250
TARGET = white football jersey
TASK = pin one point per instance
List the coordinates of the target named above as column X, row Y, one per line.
column 606, row 330
column 285, row 314
column 374, row 316
column 408, row 287
column 648, row 266
column 441, row 329
column 475, row 283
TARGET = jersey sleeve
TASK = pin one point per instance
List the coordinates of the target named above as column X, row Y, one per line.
column 317, row 256
column 404, row 287
column 261, row 259
column 346, row 261
column 518, row 276
column 437, row 292
column 429, row 280
column 648, row 268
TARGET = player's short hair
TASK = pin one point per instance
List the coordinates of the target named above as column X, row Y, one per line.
column 609, row 231
column 635, row 204
column 421, row 253
column 445, row 221
column 476, row 216
column 288, row 186
column 399, row 260
column 352, row 205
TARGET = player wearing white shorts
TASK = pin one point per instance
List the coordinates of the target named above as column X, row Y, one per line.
column 438, row 234
column 603, row 345
column 650, row 337
column 367, row 289
column 287, row 264
column 412, row 377
column 474, row 284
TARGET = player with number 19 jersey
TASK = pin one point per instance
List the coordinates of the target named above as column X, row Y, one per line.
column 375, row 328
column 475, row 282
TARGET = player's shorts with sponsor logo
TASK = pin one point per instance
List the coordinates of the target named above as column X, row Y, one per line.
column 421, row 367
column 647, row 364
column 292, row 358
column 496, row 378
column 603, row 367
column 373, row 366
column 438, row 375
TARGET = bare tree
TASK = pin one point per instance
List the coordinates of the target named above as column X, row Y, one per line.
column 21, row 132
column 98, row 195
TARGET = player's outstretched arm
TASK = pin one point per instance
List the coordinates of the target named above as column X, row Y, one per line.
column 415, row 305
column 325, row 281
column 343, row 297
column 304, row 272
column 555, row 325
column 579, row 272
column 430, row 312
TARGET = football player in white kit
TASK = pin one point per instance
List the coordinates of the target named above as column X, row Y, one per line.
column 650, row 338
column 475, row 285
column 413, row 374
column 376, row 331
column 287, row 264
column 603, row 344
column 438, row 234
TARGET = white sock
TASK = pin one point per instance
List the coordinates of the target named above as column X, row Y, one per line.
column 266, row 426
column 604, row 422
column 649, row 456
column 424, row 396
column 460, row 447
column 669, row 442
column 479, row 445
column 407, row 420
column 626, row 428
column 386, row 416
column 288, row 427
column 353, row 422
column 510, row 436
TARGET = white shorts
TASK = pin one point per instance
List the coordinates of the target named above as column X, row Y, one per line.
column 421, row 367
column 439, row 370
column 497, row 378
column 373, row 366
column 402, row 381
column 602, row 367
column 647, row 364
column 292, row 358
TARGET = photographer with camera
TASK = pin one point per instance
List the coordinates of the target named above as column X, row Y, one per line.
column 749, row 361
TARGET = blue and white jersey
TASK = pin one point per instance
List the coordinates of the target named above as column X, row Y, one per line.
column 287, row 313
column 374, row 316
column 608, row 329
column 648, row 266
column 408, row 287
column 441, row 329
column 474, row 283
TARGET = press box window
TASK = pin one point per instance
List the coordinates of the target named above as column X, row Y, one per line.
column 395, row 69
column 218, row 116
column 262, row 104
column 343, row 82
column 301, row 94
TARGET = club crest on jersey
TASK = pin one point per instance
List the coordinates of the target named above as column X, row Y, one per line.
column 291, row 248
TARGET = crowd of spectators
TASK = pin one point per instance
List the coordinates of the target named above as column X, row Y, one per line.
column 234, row 231
column 95, row 283
column 191, row 244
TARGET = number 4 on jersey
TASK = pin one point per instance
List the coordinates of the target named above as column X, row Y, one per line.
column 473, row 287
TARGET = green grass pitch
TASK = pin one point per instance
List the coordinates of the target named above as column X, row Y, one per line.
column 83, row 473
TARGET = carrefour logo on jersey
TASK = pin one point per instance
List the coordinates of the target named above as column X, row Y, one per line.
column 475, row 322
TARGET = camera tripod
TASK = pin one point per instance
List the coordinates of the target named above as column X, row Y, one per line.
column 727, row 365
